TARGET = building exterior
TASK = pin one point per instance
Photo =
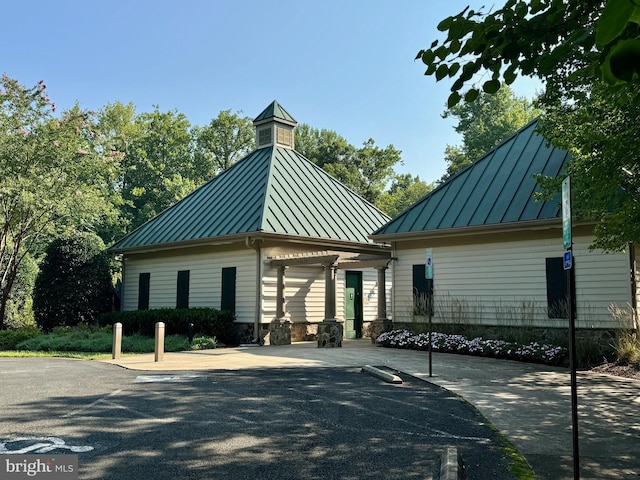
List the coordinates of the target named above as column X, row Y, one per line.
column 497, row 253
column 274, row 239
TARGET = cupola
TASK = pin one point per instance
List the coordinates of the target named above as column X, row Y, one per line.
column 274, row 126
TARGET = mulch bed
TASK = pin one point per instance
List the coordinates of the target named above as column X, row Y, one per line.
column 626, row 371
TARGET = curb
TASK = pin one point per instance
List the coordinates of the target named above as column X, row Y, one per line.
column 450, row 465
column 376, row 372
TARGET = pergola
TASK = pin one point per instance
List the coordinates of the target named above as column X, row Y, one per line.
column 331, row 262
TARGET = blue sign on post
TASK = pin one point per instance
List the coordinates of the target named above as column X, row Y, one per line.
column 567, row 260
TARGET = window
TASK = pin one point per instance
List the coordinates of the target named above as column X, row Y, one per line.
column 182, row 295
column 557, row 298
column 143, row 291
column 264, row 136
column 228, row 301
column 422, row 288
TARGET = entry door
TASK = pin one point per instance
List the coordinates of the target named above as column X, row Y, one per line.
column 353, row 305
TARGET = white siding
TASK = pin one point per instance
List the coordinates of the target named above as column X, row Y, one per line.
column 304, row 288
column 204, row 283
column 369, row 293
column 504, row 283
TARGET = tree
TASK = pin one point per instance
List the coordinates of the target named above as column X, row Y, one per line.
column 223, row 142
column 483, row 124
column 365, row 170
column 405, row 190
column 74, row 285
column 53, row 179
column 605, row 171
column 550, row 39
column 588, row 55
column 158, row 166
column 322, row 146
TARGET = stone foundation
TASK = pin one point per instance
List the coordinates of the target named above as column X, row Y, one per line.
column 377, row 327
column 280, row 332
column 330, row 334
column 303, row 331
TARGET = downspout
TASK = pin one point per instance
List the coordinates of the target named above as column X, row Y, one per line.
column 255, row 245
column 122, row 290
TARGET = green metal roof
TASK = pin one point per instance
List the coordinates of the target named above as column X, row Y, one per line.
column 272, row 190
column 496, row 189
column 274, row 111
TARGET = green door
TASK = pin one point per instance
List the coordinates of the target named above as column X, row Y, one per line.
column 353, row 305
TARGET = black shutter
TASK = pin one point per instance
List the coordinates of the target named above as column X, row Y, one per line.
column 143, row 291
column 557, row 298
column 182, row 296
column 228, row 302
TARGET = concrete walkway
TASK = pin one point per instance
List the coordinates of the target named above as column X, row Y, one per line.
column 529, row 403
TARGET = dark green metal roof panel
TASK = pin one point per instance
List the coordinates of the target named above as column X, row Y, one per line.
column 274, row 110
column 273, row 190
column 496, row 189
column 304, row 200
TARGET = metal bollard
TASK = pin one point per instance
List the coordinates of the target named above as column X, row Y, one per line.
column 159, row 349
column 117, row 341
column 190, row 333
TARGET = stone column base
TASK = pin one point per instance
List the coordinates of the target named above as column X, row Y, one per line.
column 330, row 334
column 379, row 326
column 280, row 332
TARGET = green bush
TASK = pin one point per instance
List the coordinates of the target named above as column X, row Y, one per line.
column 74, row 285
column 10, row 338
column 206, row 321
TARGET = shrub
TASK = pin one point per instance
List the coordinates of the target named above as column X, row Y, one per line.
column 627, row 347
column 9, row 339
column 441, row 342
column 206, row 321
column 74, row 284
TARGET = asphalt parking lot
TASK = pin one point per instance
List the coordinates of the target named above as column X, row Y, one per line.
column 290, row 423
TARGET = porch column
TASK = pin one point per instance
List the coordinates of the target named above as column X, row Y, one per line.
column 382, row 293
column 381, row 324
column 330, row 331
column 329, row 292
column 280, row 327
column 280, row 301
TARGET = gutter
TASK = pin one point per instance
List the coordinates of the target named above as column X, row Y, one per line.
column 255, row 245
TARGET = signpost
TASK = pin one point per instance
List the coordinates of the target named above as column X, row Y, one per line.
column 568, row 266
column 428, row 274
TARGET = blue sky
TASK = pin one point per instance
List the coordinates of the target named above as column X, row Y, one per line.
column 345, row 65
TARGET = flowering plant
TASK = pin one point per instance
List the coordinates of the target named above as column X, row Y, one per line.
column 441, row 342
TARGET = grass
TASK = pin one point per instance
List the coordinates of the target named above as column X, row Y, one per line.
column 79, row 355
column 518, row 466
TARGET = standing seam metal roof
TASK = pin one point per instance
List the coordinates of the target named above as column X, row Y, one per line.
column 273, row 190
column 496, row 189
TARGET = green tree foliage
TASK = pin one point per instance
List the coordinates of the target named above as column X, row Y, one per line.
column 365, row 170
column 74, row 284
column 601, row 133
column 483, row 124
column 544, row 38
column 53, row 179
column 223, row 142
column 158, row 167
column 588, row 55
column 19, row 311
column 404, row 191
